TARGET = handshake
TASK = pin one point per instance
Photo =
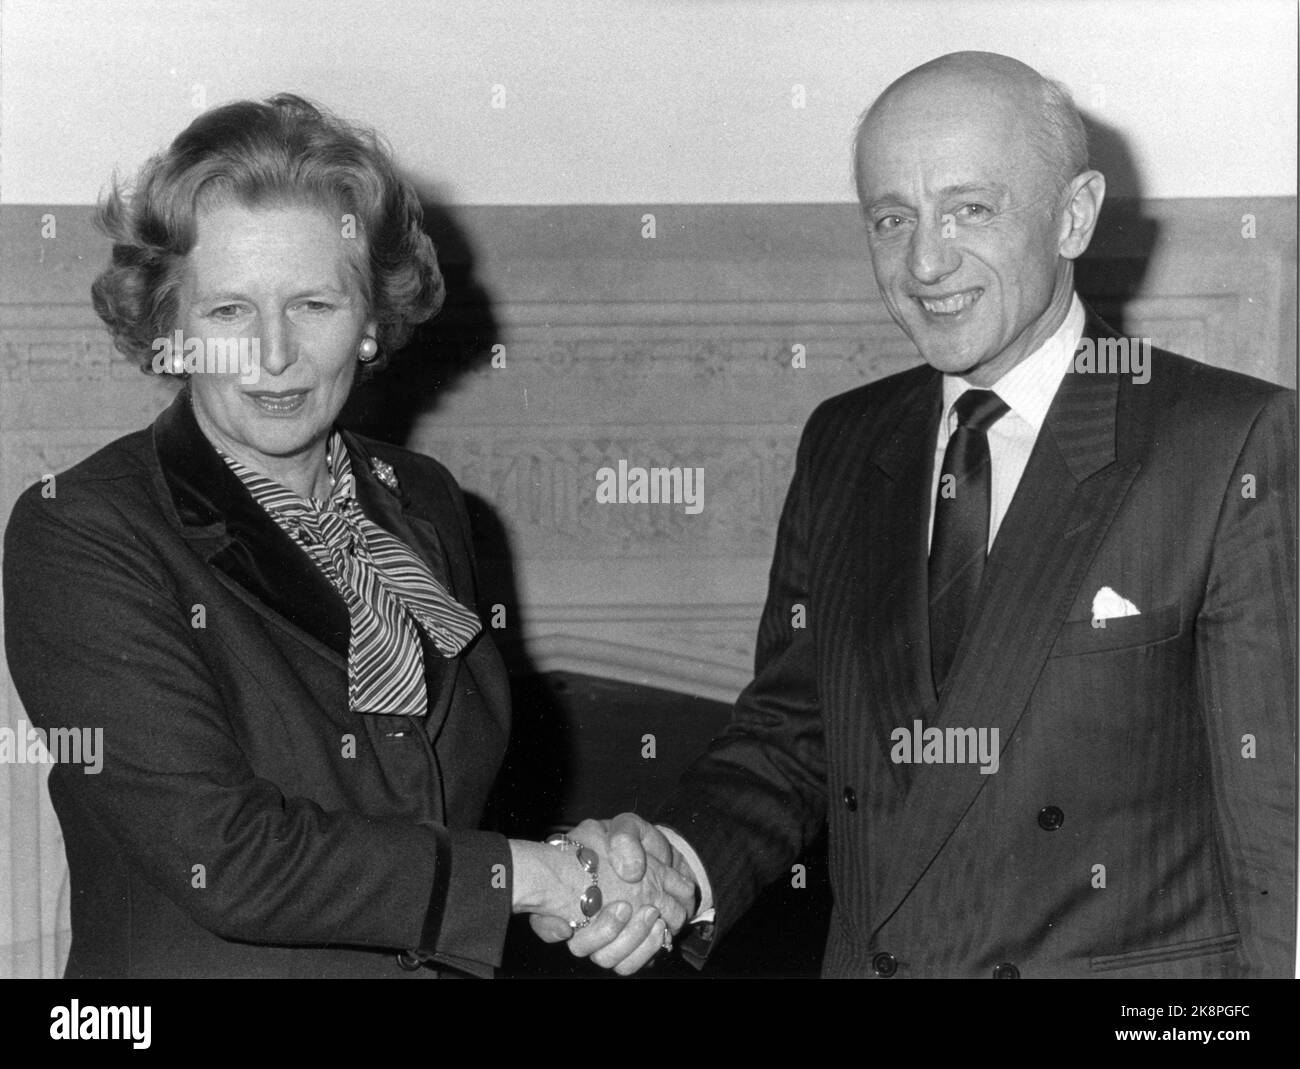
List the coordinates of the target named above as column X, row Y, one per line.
column 615, row 890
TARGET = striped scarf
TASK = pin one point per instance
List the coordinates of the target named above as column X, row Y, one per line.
column 387, row 588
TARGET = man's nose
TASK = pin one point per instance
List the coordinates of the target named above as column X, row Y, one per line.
column 933, row 252
column 279, row 348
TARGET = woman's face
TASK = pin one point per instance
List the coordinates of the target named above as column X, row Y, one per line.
column 278, row 277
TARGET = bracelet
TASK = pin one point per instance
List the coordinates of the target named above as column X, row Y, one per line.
column 591, row 899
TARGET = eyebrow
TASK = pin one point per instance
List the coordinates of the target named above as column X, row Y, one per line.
column 959, row 190
column 327, row 288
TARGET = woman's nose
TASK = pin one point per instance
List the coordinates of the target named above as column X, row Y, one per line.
column 279, row 350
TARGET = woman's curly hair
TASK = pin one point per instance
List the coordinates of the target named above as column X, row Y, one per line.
column 284, row 151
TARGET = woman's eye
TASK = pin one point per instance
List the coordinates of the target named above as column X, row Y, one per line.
column 225, row 311
column 315, row 306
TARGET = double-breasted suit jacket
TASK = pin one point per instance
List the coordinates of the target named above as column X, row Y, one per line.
column 1141, row 818
column 245, row 822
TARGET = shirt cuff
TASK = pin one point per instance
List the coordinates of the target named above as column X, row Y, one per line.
column 706, row 911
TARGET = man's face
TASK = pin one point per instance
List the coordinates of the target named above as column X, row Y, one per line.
column 962, row 227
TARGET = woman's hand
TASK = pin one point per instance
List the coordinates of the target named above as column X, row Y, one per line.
column 549, row 882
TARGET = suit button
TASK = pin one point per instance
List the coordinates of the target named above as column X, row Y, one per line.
column 1005, row 971
column 1050, row 818
column 408, row 960
column 850, row 799
column 884, row 964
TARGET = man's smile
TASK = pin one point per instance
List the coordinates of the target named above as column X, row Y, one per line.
column 953, row 304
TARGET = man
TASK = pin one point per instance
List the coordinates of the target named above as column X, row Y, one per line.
column 1044, row 697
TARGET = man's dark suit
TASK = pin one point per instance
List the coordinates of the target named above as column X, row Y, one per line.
column 1121, row 746
column 245, row 823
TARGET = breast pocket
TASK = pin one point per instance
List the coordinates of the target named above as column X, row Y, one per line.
column 1120, row 632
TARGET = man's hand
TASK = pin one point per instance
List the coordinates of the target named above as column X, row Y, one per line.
column 625, row 934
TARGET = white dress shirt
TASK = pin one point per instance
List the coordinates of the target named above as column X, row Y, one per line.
column 1027, row 389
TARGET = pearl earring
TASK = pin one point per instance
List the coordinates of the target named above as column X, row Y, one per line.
column 367, row 350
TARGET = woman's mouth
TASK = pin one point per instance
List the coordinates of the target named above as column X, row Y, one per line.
column 278, row 403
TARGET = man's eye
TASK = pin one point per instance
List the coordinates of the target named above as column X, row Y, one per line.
column 975, row 213
column 315, row 306
column 887, row 223
column 225, row 311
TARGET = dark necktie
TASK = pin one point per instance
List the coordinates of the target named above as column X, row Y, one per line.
column 960, row 541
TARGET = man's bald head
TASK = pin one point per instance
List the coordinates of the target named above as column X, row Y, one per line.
column 1053, row 126
column 972, row 172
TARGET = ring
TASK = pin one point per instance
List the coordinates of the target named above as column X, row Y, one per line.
column 668, row 939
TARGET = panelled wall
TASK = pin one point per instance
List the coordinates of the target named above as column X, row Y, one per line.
column 672, row 350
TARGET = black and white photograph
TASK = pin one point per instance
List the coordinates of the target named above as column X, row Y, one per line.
column 633, row 490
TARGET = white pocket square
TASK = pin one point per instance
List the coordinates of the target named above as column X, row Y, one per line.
column 1107, row 605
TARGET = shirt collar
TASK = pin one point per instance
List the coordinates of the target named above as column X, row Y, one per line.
column 1028, row 388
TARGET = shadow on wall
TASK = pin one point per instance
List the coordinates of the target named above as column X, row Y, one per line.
column 458, row 339
column 1106, row 280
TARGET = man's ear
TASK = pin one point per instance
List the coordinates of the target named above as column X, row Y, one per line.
column 1080, row 209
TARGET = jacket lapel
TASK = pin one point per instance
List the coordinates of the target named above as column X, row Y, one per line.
column 391, row 508
column 889, row 544
column 1072, row 488
column 228, row 528
column 261, row 564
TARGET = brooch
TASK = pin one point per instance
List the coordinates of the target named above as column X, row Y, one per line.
column 385, row 474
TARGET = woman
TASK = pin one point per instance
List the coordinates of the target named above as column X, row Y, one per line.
column 273, row 620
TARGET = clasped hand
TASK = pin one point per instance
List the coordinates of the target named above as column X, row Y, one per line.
column 647, row 889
